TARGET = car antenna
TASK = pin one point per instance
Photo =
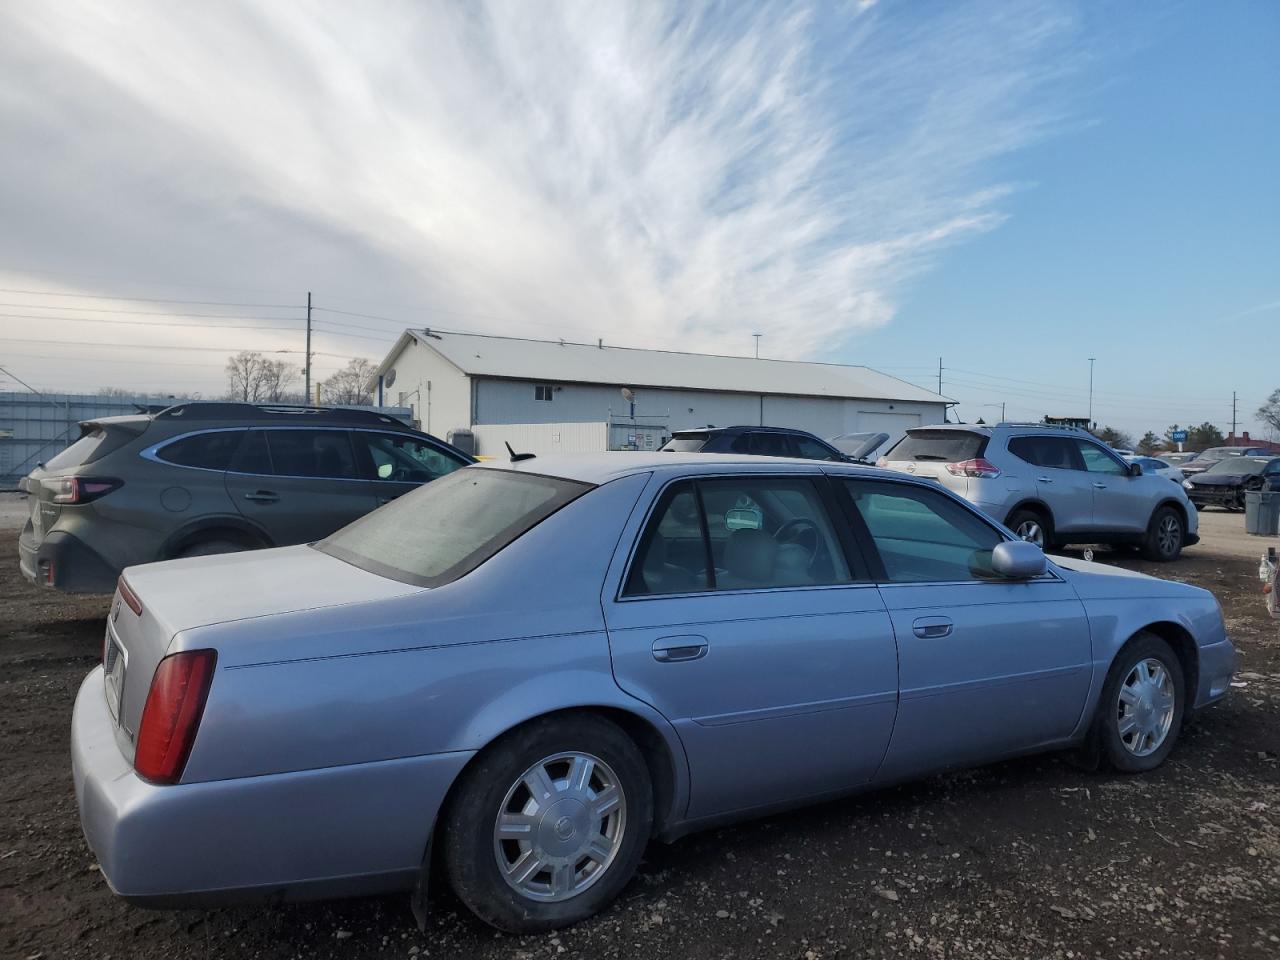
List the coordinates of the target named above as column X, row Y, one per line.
column 517, row 457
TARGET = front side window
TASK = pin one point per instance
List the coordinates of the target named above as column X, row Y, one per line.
column 1097, row 460
column 323, row 454
column 923, row 536
column 440, row 532
column 738, row 534
column 208, row 451
column 404, row 459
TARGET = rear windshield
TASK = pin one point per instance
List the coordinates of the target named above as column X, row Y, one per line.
column 1239, row 465
column 689, row 444
column 447, row 528
column 81, row 451
column 944, row 446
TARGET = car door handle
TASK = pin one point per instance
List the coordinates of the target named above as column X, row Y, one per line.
column 263, row 496
column 1099, row 486
column 676, row 649
column 927, row 628
column 1044, row 479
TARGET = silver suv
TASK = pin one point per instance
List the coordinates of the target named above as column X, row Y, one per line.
column 1051, row 485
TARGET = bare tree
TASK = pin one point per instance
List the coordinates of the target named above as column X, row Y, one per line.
column 1269, row 412
column 350, row 385
column 277, row 377
column 245, row 376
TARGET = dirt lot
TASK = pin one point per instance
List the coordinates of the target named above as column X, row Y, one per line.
column 1033, row 858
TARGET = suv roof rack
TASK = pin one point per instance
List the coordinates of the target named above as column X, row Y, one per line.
column 225, row 410
column 1040, row 426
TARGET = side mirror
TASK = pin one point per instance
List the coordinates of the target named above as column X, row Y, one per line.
column 1018, row 560
column 1135, row 469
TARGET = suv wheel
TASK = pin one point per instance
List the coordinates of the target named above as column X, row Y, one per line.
column 1032, row 526
column 1164, row 536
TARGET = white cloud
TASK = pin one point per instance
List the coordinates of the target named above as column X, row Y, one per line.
column 648, row 172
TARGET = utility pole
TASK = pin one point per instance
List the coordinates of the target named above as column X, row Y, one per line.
column 939, row 375
column 306, row 390
column 757, row 336
column 1233, row 414
column 1091, row 359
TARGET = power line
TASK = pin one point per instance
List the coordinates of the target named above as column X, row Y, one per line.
column 141, row 313
column 152, row 323
column 198, row 303
column 166, row 346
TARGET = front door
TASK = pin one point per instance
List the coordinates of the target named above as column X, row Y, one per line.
column 1121, row 503
column 300, row 484
column 987, row 667
column 739, row 618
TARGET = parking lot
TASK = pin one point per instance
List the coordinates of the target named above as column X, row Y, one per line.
column 1032, row 858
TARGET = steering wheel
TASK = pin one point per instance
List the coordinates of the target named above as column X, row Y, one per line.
column 797, row 531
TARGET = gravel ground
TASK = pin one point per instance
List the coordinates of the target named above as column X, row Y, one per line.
column 1033, row 858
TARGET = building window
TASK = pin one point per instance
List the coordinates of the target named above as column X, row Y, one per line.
column 542, row 391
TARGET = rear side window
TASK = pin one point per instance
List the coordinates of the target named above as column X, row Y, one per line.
column 943, row 446
column 323, row 454
column 690, row 444
column 763, row 445
column 923, row 536
column 207, row 451
column 446, row 529
column 1055, row 453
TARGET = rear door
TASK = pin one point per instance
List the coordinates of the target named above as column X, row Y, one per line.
column 1057, row 476
column 737, row 616
column 300, row 484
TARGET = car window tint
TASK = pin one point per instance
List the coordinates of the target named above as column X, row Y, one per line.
column 812, row 450
column 208, row 451
column 1097, row 460
column 404, row 459
column 768, row 445
column 1055, row 453
column 688, row 444
column 324, row 454
column 768, row 532
column 923, row 536
column 79, row 452
column 443, row 530
column 942, row 446
column 672, row 555
column 253, row 455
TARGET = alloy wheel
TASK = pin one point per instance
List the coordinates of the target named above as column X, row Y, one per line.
column 560, row 827
column 1169, row 535
column 1032, row 531
column 1145, row 707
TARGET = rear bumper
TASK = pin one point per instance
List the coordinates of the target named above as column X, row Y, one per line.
column 337, row 831
column 77, row 568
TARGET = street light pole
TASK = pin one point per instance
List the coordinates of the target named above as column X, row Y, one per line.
column 1091, row 359
column 757, row 336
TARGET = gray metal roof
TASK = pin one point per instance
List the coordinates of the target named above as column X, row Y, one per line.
column 559, row 361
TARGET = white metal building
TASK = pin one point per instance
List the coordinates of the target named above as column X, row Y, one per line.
column 551, row 395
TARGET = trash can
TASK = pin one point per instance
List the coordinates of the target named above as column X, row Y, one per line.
column 1262, row 513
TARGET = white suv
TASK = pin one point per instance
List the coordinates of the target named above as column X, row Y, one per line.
column 1051, row 485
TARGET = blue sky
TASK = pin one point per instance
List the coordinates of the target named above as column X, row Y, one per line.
column 1148, row 237
column 1013, row 185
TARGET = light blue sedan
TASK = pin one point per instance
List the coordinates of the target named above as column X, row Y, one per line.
column 526, row 671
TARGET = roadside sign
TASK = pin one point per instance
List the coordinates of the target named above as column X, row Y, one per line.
column 1178, row 436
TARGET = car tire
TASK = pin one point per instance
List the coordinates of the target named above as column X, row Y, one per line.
column 1024, row 519
column 1166, row 533
column 1134, row 731
column 209, row 548
column 570, row 873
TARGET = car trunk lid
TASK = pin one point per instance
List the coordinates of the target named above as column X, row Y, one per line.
column 178, row 595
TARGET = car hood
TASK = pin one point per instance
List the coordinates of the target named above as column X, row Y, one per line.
column 1219, row 479
column 1100, row 581
column 199, row 591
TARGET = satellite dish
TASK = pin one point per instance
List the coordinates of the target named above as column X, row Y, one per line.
column 628, row 395
column 389, row 379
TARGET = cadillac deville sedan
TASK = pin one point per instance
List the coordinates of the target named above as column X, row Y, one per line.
column 521, row 676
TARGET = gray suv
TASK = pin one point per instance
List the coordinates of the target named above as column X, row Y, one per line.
column 1051, row 485
column 204, row 478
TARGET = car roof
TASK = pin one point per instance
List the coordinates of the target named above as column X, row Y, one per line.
column 739, row 428
column 600, row 468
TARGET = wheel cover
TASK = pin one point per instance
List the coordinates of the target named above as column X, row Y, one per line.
column 1031, row 530
column 1145, row 707
column 560, row 827
column 1168, row 534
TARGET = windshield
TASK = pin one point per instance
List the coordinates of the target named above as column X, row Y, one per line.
column 447, row 528
column 945, row 446
column 1217, row 453
column 690, row 443
column 1240, row 465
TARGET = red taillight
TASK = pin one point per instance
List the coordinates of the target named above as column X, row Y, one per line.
column 129, row 597
column 171, row 715
column 50, row 574
column 81, row 489
column 980, row 467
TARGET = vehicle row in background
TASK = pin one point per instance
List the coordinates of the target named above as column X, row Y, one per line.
column 775, row 442
column 1052, row 485
column 1156, row 467
column 1226, row 482
column 206, row 478
column 1207, row 458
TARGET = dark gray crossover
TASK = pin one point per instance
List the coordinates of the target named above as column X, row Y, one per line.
column 206, row 478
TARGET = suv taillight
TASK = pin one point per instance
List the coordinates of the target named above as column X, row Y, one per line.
column 979, row 467
column 172, row 713
column 81, row 489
